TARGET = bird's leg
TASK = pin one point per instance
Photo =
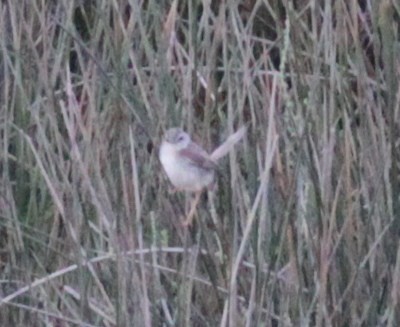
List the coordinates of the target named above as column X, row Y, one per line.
column 190, row 216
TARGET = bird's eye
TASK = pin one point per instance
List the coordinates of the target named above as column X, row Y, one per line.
column 181, row 138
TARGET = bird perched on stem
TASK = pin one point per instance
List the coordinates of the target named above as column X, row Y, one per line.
column 188, row 166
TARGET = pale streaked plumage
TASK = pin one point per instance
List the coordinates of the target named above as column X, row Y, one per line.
column 188, row 166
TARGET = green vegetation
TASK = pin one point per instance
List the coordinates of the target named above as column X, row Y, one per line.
column 303, row 228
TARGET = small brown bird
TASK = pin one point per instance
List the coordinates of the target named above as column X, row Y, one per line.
column 188, row 166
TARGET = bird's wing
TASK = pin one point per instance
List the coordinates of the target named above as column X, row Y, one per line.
column 198, row 156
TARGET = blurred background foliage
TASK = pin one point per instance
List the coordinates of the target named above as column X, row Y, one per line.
column 303, row 228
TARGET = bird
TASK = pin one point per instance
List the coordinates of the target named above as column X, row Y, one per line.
column 188, row 166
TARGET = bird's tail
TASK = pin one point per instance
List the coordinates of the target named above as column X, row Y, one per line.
column 225, row 147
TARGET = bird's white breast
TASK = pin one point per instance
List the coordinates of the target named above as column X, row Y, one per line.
column 182, row 174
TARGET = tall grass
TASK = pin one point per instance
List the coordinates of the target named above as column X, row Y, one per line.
column 303, row 228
